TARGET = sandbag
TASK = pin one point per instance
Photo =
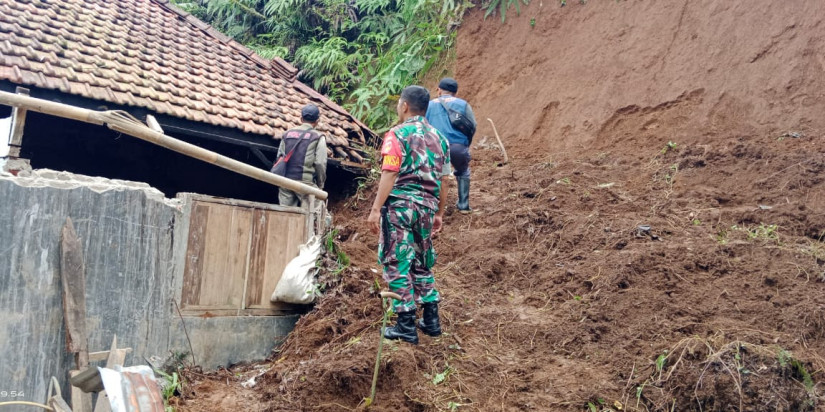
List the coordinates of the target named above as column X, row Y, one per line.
column 297, row 284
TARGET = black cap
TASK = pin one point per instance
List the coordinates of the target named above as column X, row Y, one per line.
column 448, row 84
column 310, row 113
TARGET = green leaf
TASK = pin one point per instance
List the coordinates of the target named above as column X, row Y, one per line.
column 660, row 362
column 441, row 377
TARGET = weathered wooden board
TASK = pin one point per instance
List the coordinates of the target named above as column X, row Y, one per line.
column 18, row 124
column 195, row 256
column 116, row 358
column 59, row 405
column 285, row 234
column 217, row 255
column 81, row 401
column 236, row 255
column 227, row 246
column 257, row 259
column 73, row 279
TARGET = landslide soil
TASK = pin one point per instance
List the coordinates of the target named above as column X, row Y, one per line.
column 701, row 120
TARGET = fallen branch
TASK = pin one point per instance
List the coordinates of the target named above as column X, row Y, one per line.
column 501, row 145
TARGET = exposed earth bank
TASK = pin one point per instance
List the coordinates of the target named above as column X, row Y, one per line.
column 655, row 243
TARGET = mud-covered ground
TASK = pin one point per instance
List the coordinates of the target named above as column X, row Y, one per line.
column 655, row 243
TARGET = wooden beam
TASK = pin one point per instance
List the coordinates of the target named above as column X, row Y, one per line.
column 18, row 123
column 88, row 380
column 257, row 152
column 278, row 309
column 73, row 278
column 321, row 219
column 59, row 405
column 310, row 217
column 81, row 401
column 116, row 358
column 272, row 147
column 104, row 354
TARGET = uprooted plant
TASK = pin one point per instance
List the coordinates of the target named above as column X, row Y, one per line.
column 704, row 374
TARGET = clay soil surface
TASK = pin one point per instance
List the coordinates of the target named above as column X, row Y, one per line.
column 655, row 242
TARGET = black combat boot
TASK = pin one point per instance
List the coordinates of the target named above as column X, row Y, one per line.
column 404, row 328
column 430, row 324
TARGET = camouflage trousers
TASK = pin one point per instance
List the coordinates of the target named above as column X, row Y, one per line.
column 406, row 251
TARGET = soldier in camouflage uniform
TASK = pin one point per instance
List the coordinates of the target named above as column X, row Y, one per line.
column 408, row 209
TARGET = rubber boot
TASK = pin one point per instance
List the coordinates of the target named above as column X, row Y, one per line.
column 404, row 328
column 463, row 204
column 430, row 324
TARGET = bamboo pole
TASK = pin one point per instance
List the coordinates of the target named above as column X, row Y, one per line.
column 501, row 145
column 124, row 123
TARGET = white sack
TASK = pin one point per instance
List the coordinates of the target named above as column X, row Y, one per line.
column 297, row 284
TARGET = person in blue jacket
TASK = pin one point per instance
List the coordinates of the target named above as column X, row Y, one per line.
column 438, row 117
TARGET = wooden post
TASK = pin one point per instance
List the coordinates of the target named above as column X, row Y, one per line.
column 73, row 278
column 81, row 401
column 310, row 230
column 18, row 123
column 59, row 405
column 322, row 218
column 116, row 357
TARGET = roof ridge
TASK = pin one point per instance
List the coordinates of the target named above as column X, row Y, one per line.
column 278, row 65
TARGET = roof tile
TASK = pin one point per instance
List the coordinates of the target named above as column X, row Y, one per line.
column 146, row 53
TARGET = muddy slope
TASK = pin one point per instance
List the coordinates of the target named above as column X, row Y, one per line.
column 581, row 71
column 605, row 267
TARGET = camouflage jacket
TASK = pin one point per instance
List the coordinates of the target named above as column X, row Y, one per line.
column 421, row 156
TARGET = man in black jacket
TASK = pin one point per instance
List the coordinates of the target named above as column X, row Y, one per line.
column 304, row 151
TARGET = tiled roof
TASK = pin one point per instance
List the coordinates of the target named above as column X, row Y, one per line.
column 149, row 54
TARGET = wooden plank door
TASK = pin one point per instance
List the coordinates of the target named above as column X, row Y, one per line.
column 217, row 256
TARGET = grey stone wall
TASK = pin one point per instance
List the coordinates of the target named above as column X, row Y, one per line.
column 127, row 245
column 132, row 239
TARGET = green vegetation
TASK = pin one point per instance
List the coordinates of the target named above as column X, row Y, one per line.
column 763, row 233
column 668, row 147
column 442, row 377
column 661, row 362
column 453, row 406
column 365, row 182
column 501, row 7
column 170, row 386
column 361, row 53
column 342, row 261
column 797, row 368
column 670, row 177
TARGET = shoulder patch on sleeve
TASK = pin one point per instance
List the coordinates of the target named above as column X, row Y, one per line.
column 391, row 152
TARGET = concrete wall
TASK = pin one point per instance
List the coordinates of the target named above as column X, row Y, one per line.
column 129, row 244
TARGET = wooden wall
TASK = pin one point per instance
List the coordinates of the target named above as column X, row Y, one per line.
column 236, row 253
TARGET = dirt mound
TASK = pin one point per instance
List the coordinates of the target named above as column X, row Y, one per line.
column 559, row 79
column 654, row 244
